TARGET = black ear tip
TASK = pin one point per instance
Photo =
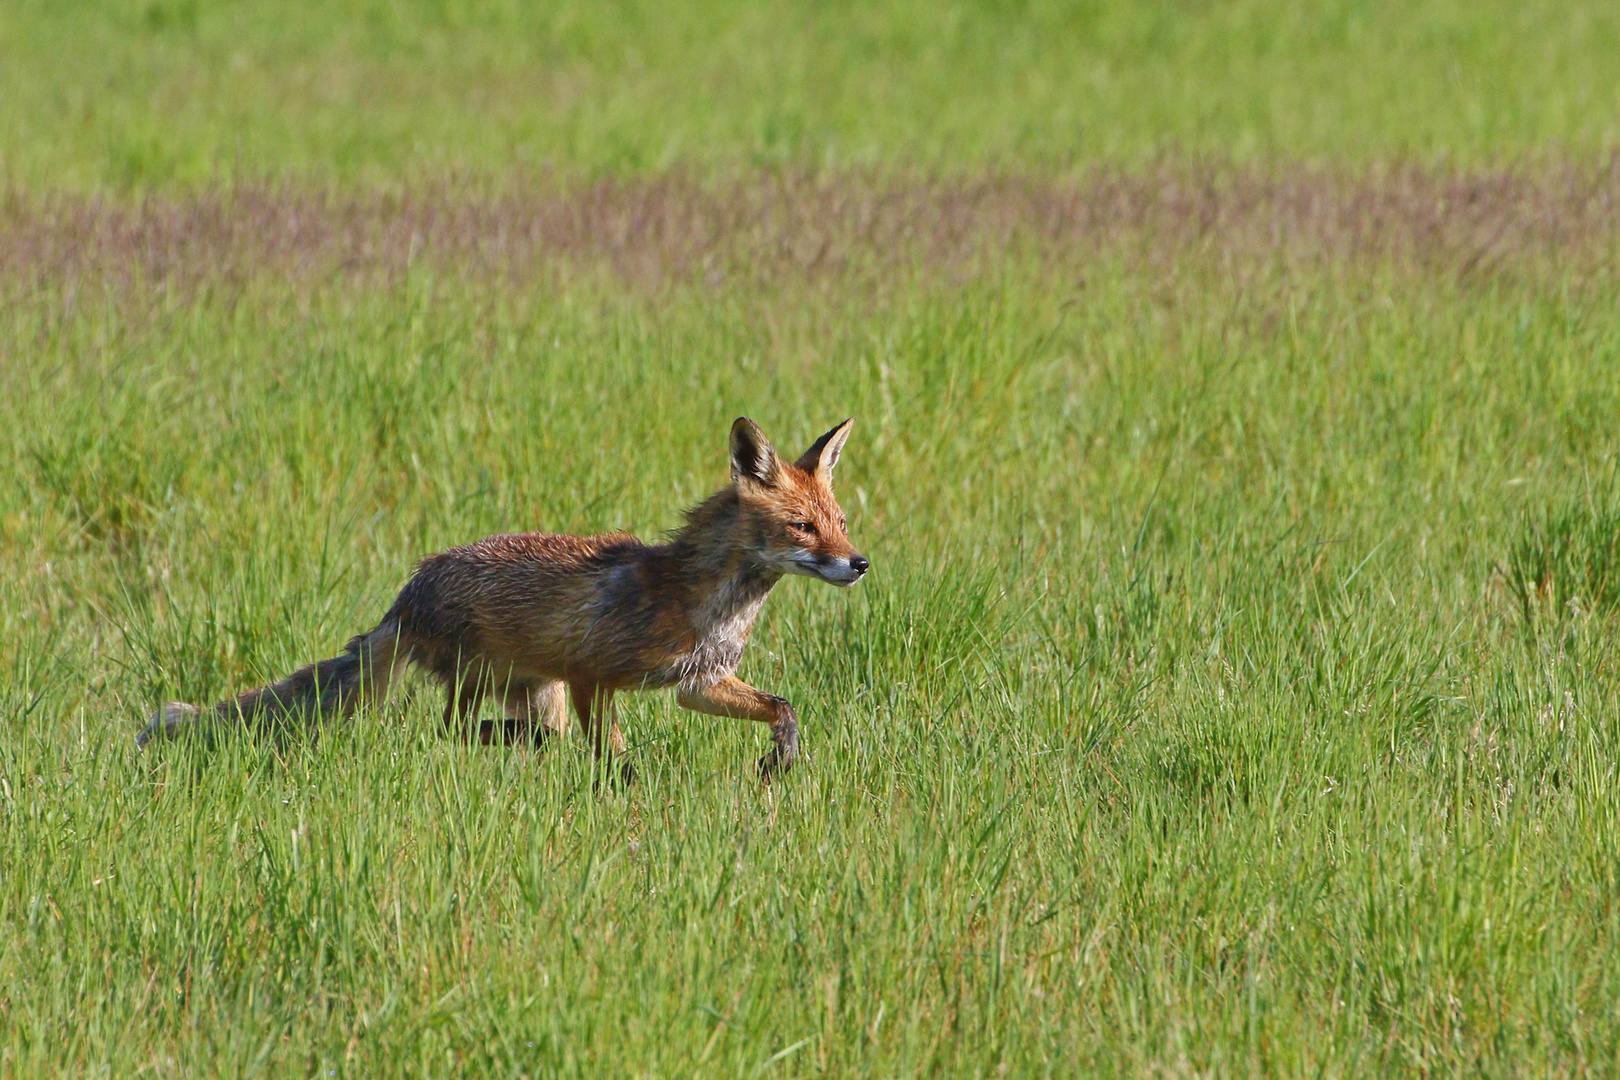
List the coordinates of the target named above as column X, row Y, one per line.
column 744, row 429
column 751, row 452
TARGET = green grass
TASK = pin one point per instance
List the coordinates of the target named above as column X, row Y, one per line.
column 172, row 93
column 1191, row 720
column 1237, row 687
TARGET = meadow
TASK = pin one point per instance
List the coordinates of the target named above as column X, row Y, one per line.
column 1235, row 690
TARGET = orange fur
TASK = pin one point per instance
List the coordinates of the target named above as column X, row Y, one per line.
column 522, row 617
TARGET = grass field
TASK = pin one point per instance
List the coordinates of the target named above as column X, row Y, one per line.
column 164, row 92
column 1236, row 688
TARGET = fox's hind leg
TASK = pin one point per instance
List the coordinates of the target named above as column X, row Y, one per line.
column 534, row 712
column 461, row 697
column 548, row 705
column 594, row 707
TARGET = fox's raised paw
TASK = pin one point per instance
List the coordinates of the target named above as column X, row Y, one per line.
column 168, row 722
column 776, row 763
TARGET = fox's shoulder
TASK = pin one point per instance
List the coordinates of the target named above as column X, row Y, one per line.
column 553, row 548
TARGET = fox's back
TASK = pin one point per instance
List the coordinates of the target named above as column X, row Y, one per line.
column 546, row 604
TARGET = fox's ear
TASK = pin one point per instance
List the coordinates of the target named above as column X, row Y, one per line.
column 823, row 453
column 752, row 456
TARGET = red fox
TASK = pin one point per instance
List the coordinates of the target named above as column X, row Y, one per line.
column 522, row 617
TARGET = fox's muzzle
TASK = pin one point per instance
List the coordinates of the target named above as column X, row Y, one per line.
column 843, row 571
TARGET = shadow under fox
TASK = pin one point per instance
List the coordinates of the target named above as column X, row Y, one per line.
column 540, row 619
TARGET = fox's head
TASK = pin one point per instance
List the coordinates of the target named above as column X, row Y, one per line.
column 800, row 528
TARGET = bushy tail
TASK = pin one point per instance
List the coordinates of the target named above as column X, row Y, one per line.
column 323, row 690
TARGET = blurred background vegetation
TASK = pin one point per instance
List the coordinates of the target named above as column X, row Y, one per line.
column 164, row 93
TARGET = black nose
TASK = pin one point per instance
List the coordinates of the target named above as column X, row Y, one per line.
column 858, row 563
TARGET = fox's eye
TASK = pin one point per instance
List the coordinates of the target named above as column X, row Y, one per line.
column 804, row 527
column 843, row 524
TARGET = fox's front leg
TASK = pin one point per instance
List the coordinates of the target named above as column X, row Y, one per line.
column 734, row 698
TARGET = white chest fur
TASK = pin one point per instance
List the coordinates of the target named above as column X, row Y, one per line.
column 723, row 625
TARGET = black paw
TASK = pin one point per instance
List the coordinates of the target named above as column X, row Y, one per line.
column 620, row 777
column 785, row 735
column 503, row 732
column 777, row 762
column 510, row 732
